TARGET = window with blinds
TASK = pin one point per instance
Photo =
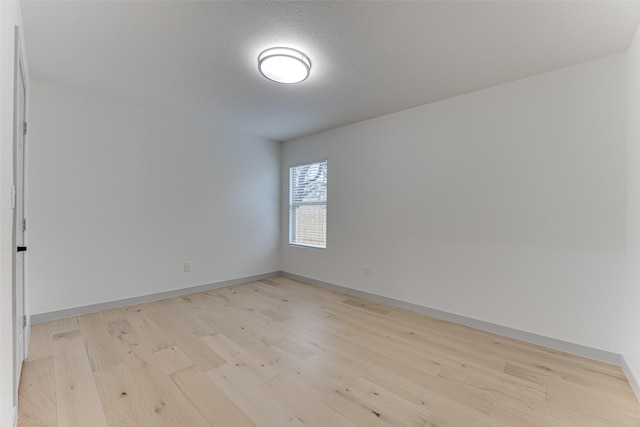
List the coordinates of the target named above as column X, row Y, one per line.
column 308, row 205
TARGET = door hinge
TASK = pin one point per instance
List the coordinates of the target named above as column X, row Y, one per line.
column 24, row 321
column 24, row 128
column 24, row 224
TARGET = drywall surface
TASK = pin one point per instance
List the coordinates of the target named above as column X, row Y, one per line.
column 632, row 291
column 505, row 205
column 10, row 17
column 122, row 196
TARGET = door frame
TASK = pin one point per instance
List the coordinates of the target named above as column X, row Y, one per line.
column 18, row 289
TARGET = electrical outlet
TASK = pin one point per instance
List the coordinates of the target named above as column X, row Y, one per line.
column 367, row 271
column 187, row 267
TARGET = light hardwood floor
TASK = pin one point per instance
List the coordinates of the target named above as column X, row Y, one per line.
column 281, row 353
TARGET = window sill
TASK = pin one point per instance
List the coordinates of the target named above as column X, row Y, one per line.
column 296, row 245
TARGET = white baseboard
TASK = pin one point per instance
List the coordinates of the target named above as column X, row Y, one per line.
column 556, row 344
column 27, row 338
column 553, row 343
column 634, row 380
column 94, row 308
column 13, row 421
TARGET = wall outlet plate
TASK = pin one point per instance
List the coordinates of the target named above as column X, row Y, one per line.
column 367, row 271
column 187, row 267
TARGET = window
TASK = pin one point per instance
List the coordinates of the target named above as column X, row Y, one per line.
column 308, row 205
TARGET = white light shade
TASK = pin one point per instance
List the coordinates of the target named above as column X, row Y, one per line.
column 284, row 65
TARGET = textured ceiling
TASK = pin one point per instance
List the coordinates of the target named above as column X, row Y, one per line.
column 369, row 58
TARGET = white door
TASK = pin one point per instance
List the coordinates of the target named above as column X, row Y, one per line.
column 19, row 222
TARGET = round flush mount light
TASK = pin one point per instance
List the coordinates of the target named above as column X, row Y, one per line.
column 284, row 65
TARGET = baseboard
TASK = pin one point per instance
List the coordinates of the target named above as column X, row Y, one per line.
column 634, row 380
column 553, row 343
column 13, row 420
column 27, row 337
column 94, row 308
column 556, row 344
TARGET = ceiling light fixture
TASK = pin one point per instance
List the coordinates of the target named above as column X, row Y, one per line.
column 284, row 65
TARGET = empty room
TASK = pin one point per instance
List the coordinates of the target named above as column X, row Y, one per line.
column 319, row 213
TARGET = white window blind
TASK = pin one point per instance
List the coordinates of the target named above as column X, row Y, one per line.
column 308, row 205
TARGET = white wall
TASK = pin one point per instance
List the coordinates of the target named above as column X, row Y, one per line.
column 632, row 291
column 121, row 196
column 506, row 205
column 10, row 16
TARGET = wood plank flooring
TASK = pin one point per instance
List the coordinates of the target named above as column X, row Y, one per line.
column 282, row 353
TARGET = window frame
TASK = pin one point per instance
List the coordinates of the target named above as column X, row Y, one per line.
column 291, row 218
